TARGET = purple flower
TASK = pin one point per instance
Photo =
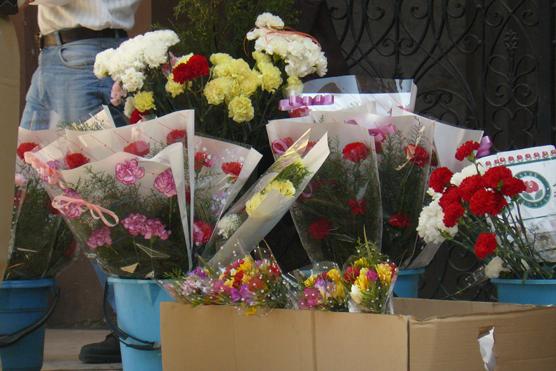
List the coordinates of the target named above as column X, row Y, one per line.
column 199, row 272
column 134, row 224
column 235, row 295
column 372, row 275
column 164, row 183
column 129, row 172
column 246, row 294
column 155, row 228
column 99, row 237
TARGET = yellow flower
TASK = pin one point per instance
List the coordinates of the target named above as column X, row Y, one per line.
column 247, row 265
column 361, row 281
column 236, row 68
column 271, row 77
column 218, row 58
column 309, row 282
column 339, row 290
column 285, row 187
column 361, row 262
column 144, row 101
column 229, row 282
column 294, row 86
column 249, row 84
column 183, row 59
column 335, row 275
column 219, row 90
column 173, row 87
column 254, row 202
column 261, row 58
column 240, row 109
column 384, row 272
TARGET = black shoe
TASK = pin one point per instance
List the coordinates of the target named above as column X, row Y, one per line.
column 107, row 351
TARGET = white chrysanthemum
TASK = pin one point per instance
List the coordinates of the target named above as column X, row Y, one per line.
column 132, row 80
column 129, row 106
column 269, row 20
column 466, row 172
column 228, row 225
column 495, row 267
column 431, row 225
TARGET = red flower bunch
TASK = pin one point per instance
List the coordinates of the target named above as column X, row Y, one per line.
column 416, row 154
column 201, row 232
column 202, row 159
column 356, row 152
column 485, row 245
column 232, row 168
column 176, row 136
column 25, row 147
column 399, row 221
column 320, row 229
column 138, row 148
column 197, row 66
column 76, row 159
column 357, row 206
column 467, row 150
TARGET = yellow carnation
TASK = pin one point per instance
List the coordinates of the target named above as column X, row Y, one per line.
column 173, row 87
column 271, row 77
column 221, row 89
column 285, row 187
column 144, row 101
column 253, row 203
column 240, row 109
column 261, row 57
column 249, row 84
column 218, row 58
column 294, row 86
column 236, row 68
column 384, row 272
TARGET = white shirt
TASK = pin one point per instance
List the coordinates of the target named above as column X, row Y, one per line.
column 55, row 15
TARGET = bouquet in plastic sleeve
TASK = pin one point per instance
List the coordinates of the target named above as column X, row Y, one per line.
column 221, row 170
column 197, row 287
column 250, row 219
column 343, row 198
column 321, row 287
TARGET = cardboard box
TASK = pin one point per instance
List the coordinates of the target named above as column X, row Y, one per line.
column 426, row 335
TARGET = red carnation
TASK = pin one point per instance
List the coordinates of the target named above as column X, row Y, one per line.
column 511, row 187
column 232, row 168
column 416, row 154
column 495, row 176
column 201, row 232
column 356, row 152
column 452, row 213
column 138, row 148
column 440, row 179
column 466, row 150
column 399, row 221
column 176, row 136
column 320, row 229
column 135, row 116
column 357, row 206
column 25, row 147
column 450, row 196
column 196, row 66
column 202, row 159
column 470, row 185
column 485, row 245
column 76, row 159
column 487, row 202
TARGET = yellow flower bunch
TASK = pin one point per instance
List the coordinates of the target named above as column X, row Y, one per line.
column 240, row 109
column 285, row 187
column 144, row 101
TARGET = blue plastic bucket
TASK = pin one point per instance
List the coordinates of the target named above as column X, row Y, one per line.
column 407, row 283
column 517, row 291
column 138, row 312
column 22, row 304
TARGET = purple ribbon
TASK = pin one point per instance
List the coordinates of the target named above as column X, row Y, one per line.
column 297, row 101
column 484, row 147
column 382, row 132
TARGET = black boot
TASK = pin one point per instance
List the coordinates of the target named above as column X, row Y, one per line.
column 107, row 351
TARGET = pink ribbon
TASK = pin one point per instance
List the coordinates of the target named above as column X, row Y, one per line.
column 280, row 146
column 484, row 147
column 47, row 172
column 63, row 203
column 382, row 132
column 297, row 101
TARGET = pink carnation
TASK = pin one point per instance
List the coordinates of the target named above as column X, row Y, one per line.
column 129, row 172
column 134, row 224
column 164, row 183
column 155, row 228
column 99, row 237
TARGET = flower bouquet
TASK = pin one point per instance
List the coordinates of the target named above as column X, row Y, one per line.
column 343, row 199
column 322, row 288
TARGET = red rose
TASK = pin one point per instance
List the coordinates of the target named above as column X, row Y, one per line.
column 487, row 202
column 196, row 66
column 466, row 150
column 176, row 136
column 357, row 206
column 138, row 148
column 25, row 147
column 485, row 245
column 495, row 176
column 232, row 168
column 450, row 196
column 470, row 185
column 511, row 187
column 320, row 229
column 76, row 159
column 416, row 154
column 202, row 159
column 201, row 232
column 440, row 178
column 452, row 213
column 399, row 221
column 356, row 152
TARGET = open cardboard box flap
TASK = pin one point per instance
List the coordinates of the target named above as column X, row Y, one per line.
column 427, row 335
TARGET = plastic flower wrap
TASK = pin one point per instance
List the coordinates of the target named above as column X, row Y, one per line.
column 250, row 219
column 343, row 198
column 322, row 288
column 221, row 170
column 198, row 287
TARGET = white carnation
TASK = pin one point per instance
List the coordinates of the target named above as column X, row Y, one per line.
column 132, row 80
column 102, row 62
column 228, row 225
column 495, row 267
column 466, row 172
column 156, row 55
column 269, row 20
column 431, row 225
column 129, row 106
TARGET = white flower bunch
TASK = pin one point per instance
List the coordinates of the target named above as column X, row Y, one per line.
column 431, row 226
column 127, row 63
column 300, row 53
column 494, row 267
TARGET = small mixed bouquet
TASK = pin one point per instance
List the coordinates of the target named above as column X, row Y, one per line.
column 323, row 289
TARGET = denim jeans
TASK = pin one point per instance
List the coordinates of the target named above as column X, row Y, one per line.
column 64, row 87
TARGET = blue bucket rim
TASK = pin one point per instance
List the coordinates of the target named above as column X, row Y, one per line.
column 519, row 281
column 131, row 281
column 28, row 284
column 409, row 272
